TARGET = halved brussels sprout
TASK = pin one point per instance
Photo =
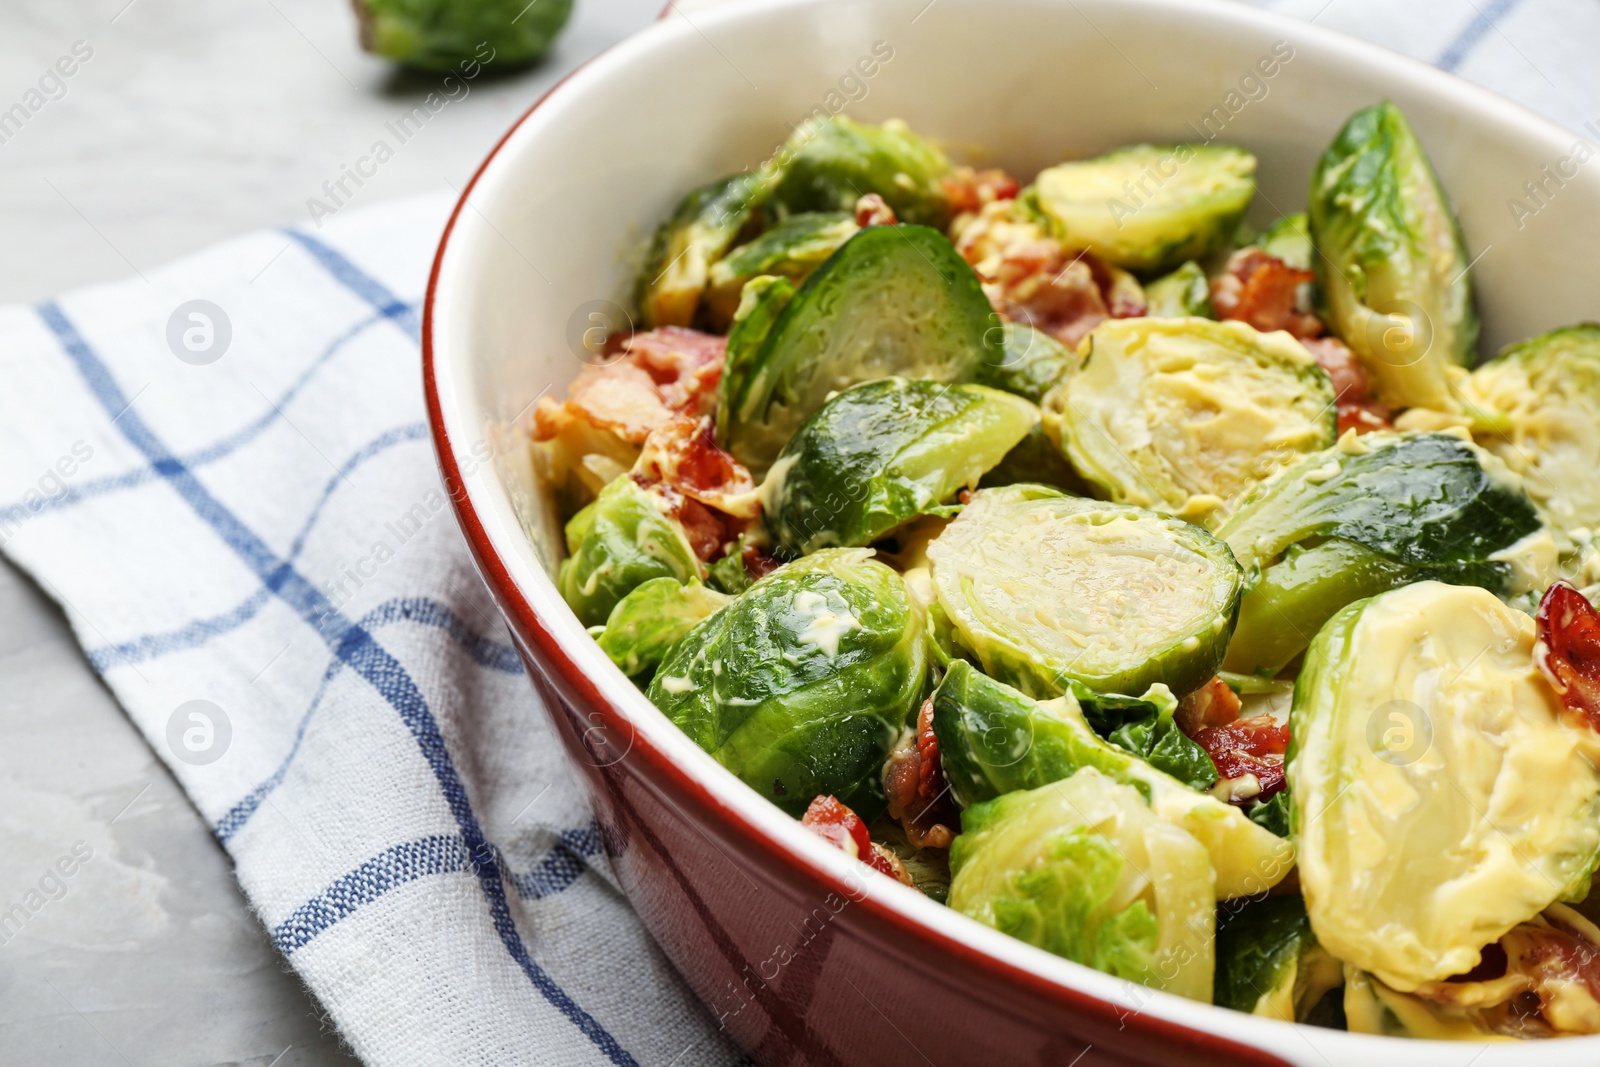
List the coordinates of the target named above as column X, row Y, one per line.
column 1149, row 207
column 1046, row 589
column 1439, row 797
column 1371, row 514
column 1392, row 272
column 792, row 249
column 1289, row 239
column 1185, row 293
column 646, row 623
column 1186, row 415
column 1538, row 409
column 882, row 453
column 618, row 543
column 830, row 163
column 761, row 303
column 1083, row 868
column 893, row 300
column 693, row 238
column 1269, row 962
column 802, row 683
column 1033, row 363
column 994, row 740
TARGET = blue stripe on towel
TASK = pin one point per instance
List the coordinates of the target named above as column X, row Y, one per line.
column 1456, row 52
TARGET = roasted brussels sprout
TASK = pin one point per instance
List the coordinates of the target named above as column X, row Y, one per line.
column 893, row 300
column 1186, row 415
column 693, row 238
column 761, row 303
column 1083, row 868
column 456, row 35
column 1371, row 514
column 618, row 543
column 1537, row 407
column 647, row 622
column 1033, row 363
column 830, row 163
column 1269, row 962
column 1185, row 293
column 1439, row 797
column 1045, row 589
column 1289, row 239
column 882, row 453
column 1149, row 207
column 994, row 740
column 1392, row 271
column 792, row 249
column 801, row 684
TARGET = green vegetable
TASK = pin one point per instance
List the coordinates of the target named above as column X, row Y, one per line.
column 1032, row 364
column 456, row 35
column 893, row 300
column 801, row 684
column 1035, row 459
column 1186, row 415
column 693, row 238
column 761, row 303
column 882, row 453
column 1045, row 589
column 647, row 622
column 1145, row 727
column 830, row 163
column 1083, row 868
column 1273, row 815
column 1289, row 239
column 1538, row 409
column 1269, row 962
column 1392, row 271
column 792, row 249
column 729, row 574
column 615, row 545
column 1149, row 207
column 1440, row 797
column 993, row 740
column 1351, row 522
column 1185, row 293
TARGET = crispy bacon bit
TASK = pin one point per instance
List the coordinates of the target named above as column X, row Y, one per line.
column 1262, row 290
column 913, row 780
column 872, row 210
column 842, row 828
column 1358, row 410
column 1252, row 746
column 970, row 190
column 657, row 374
column 1568, row 651
column 1213, row 704
column 683, row 453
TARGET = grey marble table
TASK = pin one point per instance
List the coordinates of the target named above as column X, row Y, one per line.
column 192, row 121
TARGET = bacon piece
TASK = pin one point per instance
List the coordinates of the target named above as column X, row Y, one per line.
column 1568, row 651
column 1248, row 746
column 1213, row 704
column 656, row 374
column 1260, row 289
column 686, row 366
column 842, row 828
column 758, row 564
column 683, row 453
column 1358, row 409
column 969, row 190
column 872, row 210
column 913, row 780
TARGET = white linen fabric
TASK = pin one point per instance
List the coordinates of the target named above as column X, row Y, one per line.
column 222, row 474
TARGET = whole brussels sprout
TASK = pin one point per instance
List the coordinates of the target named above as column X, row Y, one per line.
column 1032, row 364
column 1289, row 239
column 454, row 34
column 1186, row 415
column 893, row 300
column 1084, row 869
column 1269, row 962
column 692, row 239
column 1537, row 407
column 1149, row 207
column 618, row 543
column 792, row 249
column 802, row 683
column 646, row 623
column 994, row 740
column 1185, row 293
column 1439, row 797
column 1392, row 271
column 882, row 453
column 830, row 163
column 1354, row 521
column 1045, row 589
